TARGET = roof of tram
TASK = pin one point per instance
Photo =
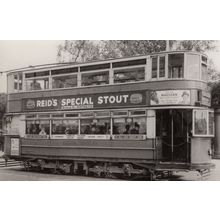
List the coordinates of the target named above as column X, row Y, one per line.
column 75, row 64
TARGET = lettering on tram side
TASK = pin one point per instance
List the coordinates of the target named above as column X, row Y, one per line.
column 92, row 101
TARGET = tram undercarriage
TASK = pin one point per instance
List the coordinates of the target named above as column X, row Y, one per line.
column 121, row 170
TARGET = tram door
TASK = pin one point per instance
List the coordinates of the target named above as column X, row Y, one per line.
column 173, row 127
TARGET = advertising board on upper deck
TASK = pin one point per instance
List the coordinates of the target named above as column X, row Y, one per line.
column 90, row 101
column 139, row 98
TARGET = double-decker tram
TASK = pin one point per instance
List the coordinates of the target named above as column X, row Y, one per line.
column 144, row 115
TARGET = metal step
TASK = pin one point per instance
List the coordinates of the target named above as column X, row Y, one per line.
column 9, row 163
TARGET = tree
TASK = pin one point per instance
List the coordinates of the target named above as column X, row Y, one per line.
column 86, row 50
column 78, row 50
column 195, row 45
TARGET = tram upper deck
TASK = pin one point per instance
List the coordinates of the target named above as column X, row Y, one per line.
column 177, row 70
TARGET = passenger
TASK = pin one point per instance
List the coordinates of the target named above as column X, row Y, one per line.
column 115, row 130
column 94, row 130
column 67, row 131
column 127, row 129
column 87, row 130
column 136, row 128
column 34, row 129
column 35, row 86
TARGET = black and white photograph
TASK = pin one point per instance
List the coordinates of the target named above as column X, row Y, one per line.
column 109, row 110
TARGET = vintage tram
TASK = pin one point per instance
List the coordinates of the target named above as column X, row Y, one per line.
column 143, row 115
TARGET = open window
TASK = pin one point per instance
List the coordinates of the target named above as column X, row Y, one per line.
column 65, row 127
column 176, row 65
column 67, row 81
column 37, row 84
column 37, row 128
column 129, row 75
column 96, row 78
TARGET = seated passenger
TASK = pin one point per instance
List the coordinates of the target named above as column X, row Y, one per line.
column 136, row 128
column 35, row 86
column 67, row 131
column 87, row 130
column 115, row 130
column 94, row 130
column 127, row 129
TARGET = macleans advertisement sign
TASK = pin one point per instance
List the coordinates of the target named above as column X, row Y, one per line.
column 170, row 97
column 92, row 101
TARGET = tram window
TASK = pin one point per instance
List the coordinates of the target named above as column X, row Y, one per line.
column 95, row 126
column 44, row 116
column 65, row 126
column 31, row 116
column 138, row 112
column 18, row 78
column 99, row 78
column 211, row 123
column 192, row 68
column 39, row 127
column 120, row 113
column 64, row 71
column 204, row 72
column 129, row 75
column 162, row 67
column 103, row 114
column 37, row 84
column 87, row 114
column 72, row 115
column 64, row 81
column 57, row 115
column 200, row 122
column 37, row 74
column 127, row 126
column 176, row 64
column 154, row 67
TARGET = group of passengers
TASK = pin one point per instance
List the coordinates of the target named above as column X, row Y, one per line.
column 96, row 129
column 129, row 129
column 88, row 129
column 37, row 129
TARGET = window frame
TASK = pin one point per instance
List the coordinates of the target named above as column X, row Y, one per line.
column 37, row 78
column 183, row 66
column 207, row 124
column 129, row 68
column 88, row 73
column 63, row 75
column 20, row 82
column 158, row 77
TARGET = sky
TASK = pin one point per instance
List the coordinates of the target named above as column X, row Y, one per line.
column 22, row 53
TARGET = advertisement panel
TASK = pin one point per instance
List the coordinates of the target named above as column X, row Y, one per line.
column 170, row 97
column 91, row 101
column 15, row 145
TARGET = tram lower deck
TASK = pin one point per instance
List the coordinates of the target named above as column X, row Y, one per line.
column 169, row 142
